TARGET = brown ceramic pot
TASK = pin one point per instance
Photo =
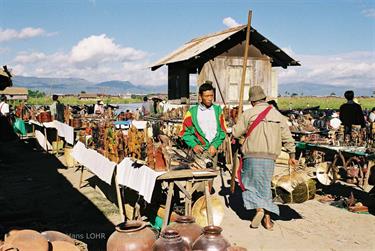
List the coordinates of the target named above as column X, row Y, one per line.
column 131, row 236
column 236, row 248
column 170, row 240
column 44, row 117
column 63, row 246
column 57, row 236
column 211, row 240
column 187, row 228
column 26, row 240
column 76, row 123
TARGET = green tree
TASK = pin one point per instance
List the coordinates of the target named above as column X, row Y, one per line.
column 36, row 94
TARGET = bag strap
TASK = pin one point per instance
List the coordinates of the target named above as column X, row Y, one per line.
column 256, row 122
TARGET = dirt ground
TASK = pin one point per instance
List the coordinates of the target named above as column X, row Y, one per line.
column 38, row 192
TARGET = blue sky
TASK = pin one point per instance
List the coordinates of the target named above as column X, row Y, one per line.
column 106, row 39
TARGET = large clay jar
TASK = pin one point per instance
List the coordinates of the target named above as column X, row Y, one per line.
column 187, row 228
column 131, row 236
column 211, row 240
column 26, row 240
column 170, row 240
column 57, row 236
column 236, row 248
column 63, row 246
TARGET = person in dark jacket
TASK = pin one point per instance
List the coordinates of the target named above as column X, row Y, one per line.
column 351, row 113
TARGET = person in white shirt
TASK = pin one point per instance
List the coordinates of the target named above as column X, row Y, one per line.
column 4, row 107
column 371, row 116
column 335, row 122
column 99, row 107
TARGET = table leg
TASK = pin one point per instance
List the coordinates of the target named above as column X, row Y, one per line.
column 208, row 203
column 119, row 200
column 168, row 204
column 81, row 178
column 46, row 139
column 188, row 200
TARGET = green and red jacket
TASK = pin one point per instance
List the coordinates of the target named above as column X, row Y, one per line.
column 193, row 135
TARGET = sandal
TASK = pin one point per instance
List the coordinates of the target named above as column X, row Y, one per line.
column 267, row 222
column 257, row 219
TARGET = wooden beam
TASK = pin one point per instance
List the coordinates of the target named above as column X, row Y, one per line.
column 244, row 64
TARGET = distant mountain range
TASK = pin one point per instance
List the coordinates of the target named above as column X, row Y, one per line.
column 76, row 85
column 311, row 89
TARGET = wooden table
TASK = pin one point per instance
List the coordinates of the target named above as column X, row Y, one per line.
column 188, row 181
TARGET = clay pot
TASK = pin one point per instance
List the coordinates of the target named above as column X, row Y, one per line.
column 236, row 248
column 44, row 117
column 63, row 246
column 131, row 236
column 160, row 164
column 26, row 240
column 76, row 123
column 170, row 240
column 187, row 228
column 57, row 236
column 211, row 240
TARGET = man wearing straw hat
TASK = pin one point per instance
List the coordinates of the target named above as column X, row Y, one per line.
column 265, row 131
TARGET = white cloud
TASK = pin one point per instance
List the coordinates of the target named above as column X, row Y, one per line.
column 230, row 22
column 28, row 32
column 347, row 69
column 34, row 57
column 97, row 49
column 95, row 58
column 369, row 13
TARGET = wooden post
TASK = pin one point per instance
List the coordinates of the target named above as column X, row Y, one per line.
column 244, row 63
column 208, row 203
column 81, row 177
column 188, row 200
column 168, row 204
column 45, row 137
column 119, row 198
column 242, row 88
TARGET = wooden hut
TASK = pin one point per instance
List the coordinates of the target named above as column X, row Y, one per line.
column 218, row 57
column 15, row 93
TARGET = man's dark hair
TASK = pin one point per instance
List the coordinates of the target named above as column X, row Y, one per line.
column 3, row 97
column 349, row 95
column 205, row 87
column 373, row 109
column 145, row 98
column 54, row 97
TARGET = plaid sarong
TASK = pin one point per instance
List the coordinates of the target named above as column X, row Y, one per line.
column 256, row 176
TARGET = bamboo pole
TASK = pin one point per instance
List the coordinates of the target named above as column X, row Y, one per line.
column 242, row 88
column 244, row 64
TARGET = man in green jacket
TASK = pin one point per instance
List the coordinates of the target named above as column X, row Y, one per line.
column 204, row 126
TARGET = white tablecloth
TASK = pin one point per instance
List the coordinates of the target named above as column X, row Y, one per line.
column 43, row 142
column 94, row 161
column 141, row 179
column 63, row 130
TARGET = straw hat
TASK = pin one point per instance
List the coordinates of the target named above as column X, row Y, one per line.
column 256, row 93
